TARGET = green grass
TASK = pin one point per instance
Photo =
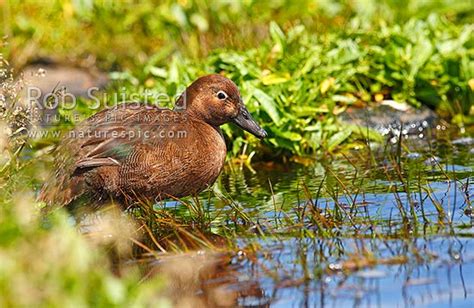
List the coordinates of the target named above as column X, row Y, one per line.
column 134, row 32
column 296, row 82
column 297, row 71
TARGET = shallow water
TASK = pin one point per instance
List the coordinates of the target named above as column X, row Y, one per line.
column 305, row 277
column 402, row 232
column 387, row 228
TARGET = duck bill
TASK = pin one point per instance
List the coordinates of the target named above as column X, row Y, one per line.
column 245, row 121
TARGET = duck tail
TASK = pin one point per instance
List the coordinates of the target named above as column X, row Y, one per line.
column 61, row 190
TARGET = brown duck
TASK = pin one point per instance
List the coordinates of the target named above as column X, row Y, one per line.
column 135, row 152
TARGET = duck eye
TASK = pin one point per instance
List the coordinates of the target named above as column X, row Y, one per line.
column 222, row 95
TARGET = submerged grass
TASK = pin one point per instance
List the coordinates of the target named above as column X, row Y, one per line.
column 341, row 204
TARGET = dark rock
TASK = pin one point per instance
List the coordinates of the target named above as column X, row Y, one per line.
column 76, row 81
column 392, row 118
column 48, row 85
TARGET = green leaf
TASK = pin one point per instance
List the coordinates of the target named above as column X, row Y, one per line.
column 338, row 138
column 278, row 36
column 302, row 111
column 344, row 99
column 421, row 53
column 178, row 15
column 268, row 105
column 288, row 135
column 200, row 22
column 158, row 71
column 275, row 78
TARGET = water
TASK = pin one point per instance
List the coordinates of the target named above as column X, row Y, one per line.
column 387, row 228
column 438, row 271
column 398, row 237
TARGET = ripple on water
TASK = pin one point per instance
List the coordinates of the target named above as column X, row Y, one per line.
column 376, row 264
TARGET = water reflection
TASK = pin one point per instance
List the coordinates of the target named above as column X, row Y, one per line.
column 316, row 272
column 402, row 234
column 388, row 229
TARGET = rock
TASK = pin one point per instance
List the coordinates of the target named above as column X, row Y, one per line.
column 77, row 81
column 389, row 117
column 58, row 81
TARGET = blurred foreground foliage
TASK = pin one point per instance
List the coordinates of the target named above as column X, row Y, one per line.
column 47, row 263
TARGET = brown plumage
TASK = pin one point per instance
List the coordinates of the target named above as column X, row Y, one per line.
column 135, row 152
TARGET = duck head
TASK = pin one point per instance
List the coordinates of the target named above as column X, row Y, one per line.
column 216, row 100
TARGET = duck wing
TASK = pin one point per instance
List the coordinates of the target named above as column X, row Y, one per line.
column 106, row 139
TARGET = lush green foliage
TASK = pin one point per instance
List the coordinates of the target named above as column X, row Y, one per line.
column 297, row 82
column 117, row 32
column 298, row 65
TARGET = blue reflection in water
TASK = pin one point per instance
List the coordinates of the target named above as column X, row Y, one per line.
column 303, row 272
